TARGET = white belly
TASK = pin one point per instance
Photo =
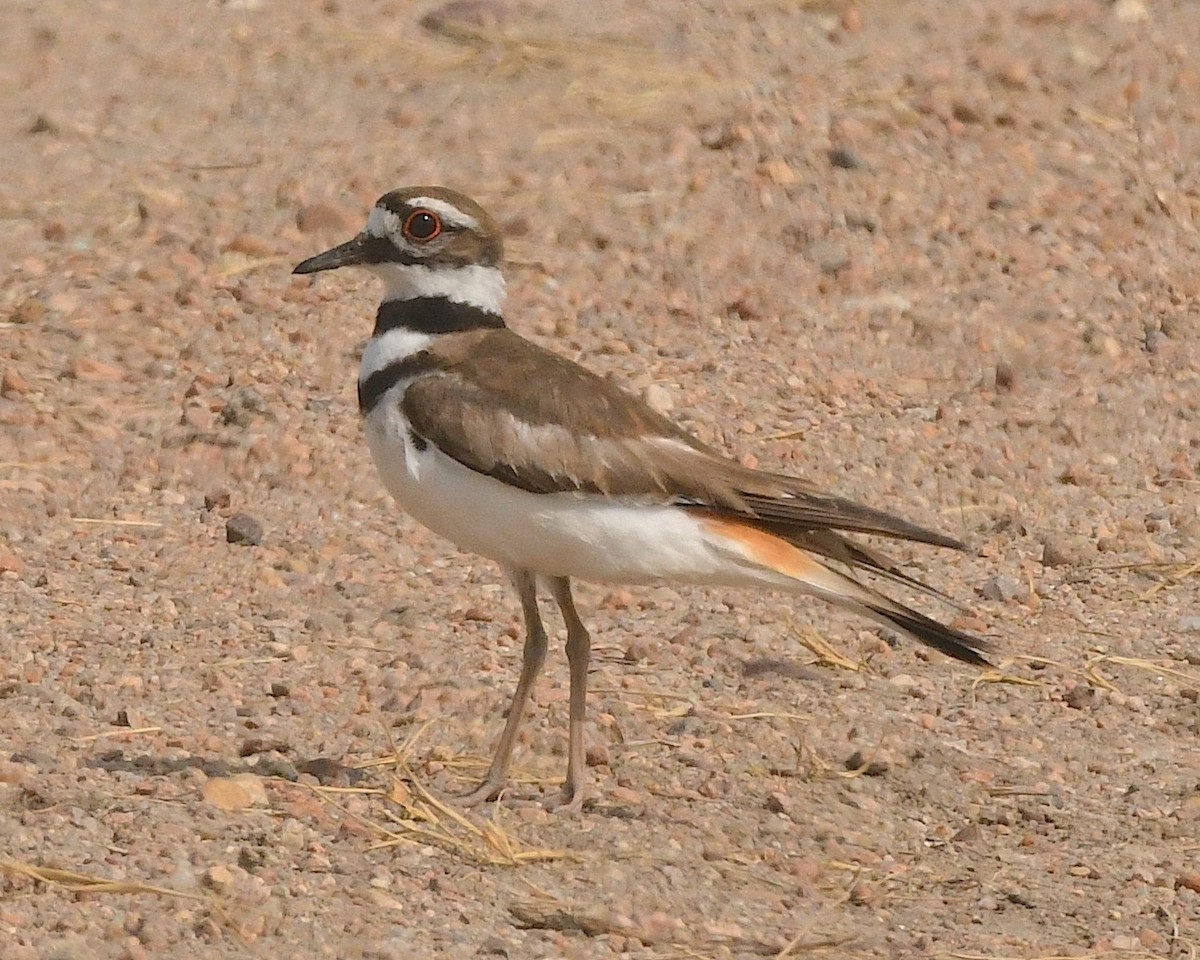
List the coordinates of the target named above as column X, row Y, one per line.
column 572, row 535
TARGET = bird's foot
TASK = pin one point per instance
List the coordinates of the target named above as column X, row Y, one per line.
column 569, row 801
column 489, row 789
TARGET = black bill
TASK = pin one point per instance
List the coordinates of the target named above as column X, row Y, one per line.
column 362, row 249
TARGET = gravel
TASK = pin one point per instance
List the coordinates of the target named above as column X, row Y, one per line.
column 936, row 256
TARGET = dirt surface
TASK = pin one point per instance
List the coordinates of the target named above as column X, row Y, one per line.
column 941, row 256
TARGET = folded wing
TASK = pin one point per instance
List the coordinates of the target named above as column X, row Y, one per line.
column 505, row 407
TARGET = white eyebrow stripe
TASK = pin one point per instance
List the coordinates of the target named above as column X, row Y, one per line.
column 449, row 213
column 382, row 223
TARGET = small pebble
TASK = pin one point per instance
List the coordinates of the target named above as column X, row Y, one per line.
column 493, row 947
column 626, row 796
column 12, row 384
column 43, row 124
column 968, row 834
column 250, row 245
column 871, row 768
column 1189, row 810
column 1054, row 554
column 218, row 498
column 659, row 397
column 829, row 256
column 1188, row 881
column 218, row 878
column 778, row 803
column 720, row 136
column 1003, row 589
column 771, row 666
column 964, row 111
column 243, row 528
column 1079, row 697
column 241, row 409
column 845, row 158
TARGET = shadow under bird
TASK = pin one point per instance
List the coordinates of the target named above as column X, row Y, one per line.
column 516, row 453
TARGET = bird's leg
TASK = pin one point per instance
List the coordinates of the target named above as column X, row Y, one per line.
column 534, row 657
column 579, row 648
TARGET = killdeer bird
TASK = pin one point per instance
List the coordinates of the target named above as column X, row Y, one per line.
column 516, row 453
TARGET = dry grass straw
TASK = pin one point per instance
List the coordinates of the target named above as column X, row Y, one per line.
column 410, row 814
column 1089, row 671
column 769, row 715
column 1170, row 573
column 246, row 662
column 1109, row 955
column 75, row 882
column 550, row 913
column 115, row 522
column 1000, row 675
column 117, row 733
column 427, row 820
column 827, row 655
column 1172, row 580
column 1138, row 663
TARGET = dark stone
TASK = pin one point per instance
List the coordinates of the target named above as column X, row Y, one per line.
column 243, row 528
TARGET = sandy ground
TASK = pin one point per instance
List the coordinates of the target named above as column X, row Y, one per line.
column 941, row 256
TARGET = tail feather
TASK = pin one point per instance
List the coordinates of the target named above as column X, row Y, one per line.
column 771, row 552
column 857, row 556
column 954, row 643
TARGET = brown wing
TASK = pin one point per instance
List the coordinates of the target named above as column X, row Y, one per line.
column 505, row 407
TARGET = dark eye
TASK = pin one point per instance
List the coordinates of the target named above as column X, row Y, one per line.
column 422, row 225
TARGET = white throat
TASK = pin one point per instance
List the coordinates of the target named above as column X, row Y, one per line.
column 477, row 285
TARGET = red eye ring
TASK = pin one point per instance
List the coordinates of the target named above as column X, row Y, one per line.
column 422, row 225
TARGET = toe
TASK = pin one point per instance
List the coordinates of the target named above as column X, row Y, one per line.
column 487, row 790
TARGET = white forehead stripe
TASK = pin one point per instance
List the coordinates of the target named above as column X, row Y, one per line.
column 449, row 213
column 382, row 222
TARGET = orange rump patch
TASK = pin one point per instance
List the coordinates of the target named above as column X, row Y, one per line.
column 769, row 550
